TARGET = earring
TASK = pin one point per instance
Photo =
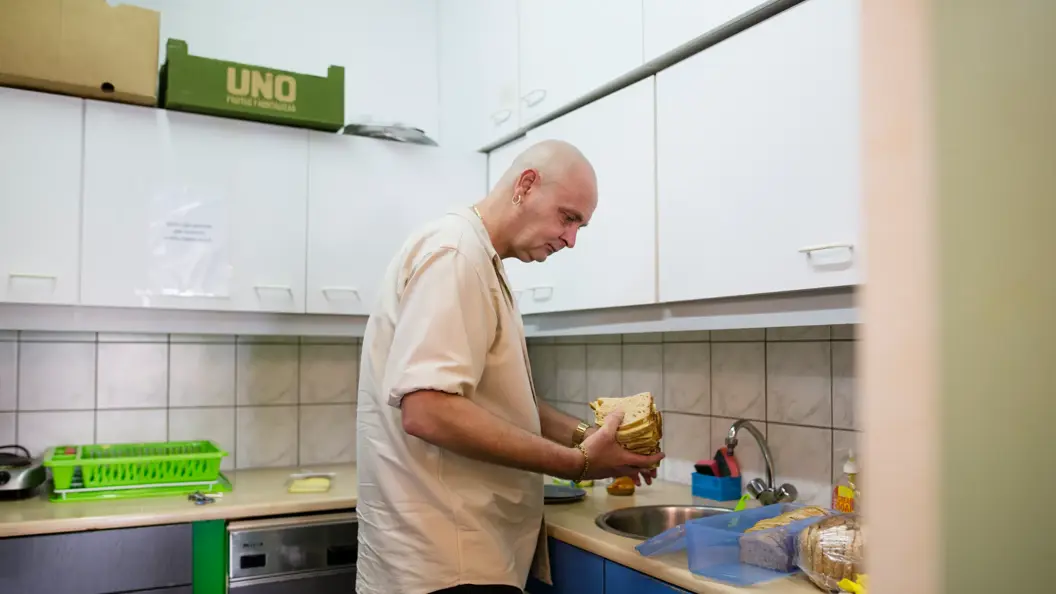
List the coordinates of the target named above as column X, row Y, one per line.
column 517, row 200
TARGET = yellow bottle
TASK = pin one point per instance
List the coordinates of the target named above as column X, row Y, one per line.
column 845, row 494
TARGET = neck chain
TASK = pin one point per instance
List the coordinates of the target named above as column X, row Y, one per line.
column 477, row 212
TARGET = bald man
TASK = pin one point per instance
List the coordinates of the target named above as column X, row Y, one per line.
column 451, row 439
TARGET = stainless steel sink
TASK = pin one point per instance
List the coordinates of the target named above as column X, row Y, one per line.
column 646, row 521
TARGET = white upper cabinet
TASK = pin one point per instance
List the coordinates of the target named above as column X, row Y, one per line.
column 193, row 212
column 613, row 262
column 568, row 49
column 40, row 194
column 670, row 23
column 366, row 197
column 758, row 152
column 478, row 72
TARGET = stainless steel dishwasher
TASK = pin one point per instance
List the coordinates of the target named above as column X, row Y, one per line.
column 313, row 554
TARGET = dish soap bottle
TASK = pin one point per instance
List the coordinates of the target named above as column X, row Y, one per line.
column 845, row 493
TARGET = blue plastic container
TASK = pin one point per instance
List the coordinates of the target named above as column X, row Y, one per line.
column 727, row 488
column 713, row 548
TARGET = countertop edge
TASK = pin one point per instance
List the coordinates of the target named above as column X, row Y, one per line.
column 154, row 518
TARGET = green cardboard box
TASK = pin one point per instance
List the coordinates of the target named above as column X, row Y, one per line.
column 243, row 91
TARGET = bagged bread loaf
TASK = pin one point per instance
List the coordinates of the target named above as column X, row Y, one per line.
column 770, row 543
column 831, row 550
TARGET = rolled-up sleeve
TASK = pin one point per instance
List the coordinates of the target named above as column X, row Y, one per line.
column 446, row 321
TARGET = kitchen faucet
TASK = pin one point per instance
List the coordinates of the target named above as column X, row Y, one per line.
column 766, row 492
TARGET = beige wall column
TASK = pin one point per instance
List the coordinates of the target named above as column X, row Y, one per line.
column 959, row 351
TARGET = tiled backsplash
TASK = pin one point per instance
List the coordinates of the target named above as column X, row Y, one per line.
column 797, row 385
column 277, row 401
column 269, row 401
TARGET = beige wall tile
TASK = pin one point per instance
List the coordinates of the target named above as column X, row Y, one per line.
column 38, row 431
column 571, row 372
column 738, row 380
column 56, row 376
column 201, row 374
column 131, row 426
column 604, row 371
column 8, row 375
column 329, row 373
column 265, row 436
column 643, row 370
column 803, row 457
column 799, row 383
column 266, row 374
column 328, row 433
column 133, row 375
column 687, row 377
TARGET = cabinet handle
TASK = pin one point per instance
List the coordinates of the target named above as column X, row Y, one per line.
column 534, row 98
column 548, row 292
column 32, row 276
column 283, row 288
column 825, row 246
column 501, row 116
column 327, row 290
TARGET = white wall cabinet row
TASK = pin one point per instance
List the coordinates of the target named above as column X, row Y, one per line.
column 757, row 173
column 505, row 64
column 733, row 173
column 181, row 211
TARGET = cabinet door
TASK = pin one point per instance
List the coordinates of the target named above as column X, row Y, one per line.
column 624, row 580
column 478, row 71
column 670, row 23
column 575, row 571
column 150, row 559
column 193, row 212
column 40, row 196
column 758, row 167
column 568, row 49
column 613, row 262
column 367, row 196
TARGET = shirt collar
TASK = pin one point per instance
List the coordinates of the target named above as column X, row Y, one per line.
column 482, row 233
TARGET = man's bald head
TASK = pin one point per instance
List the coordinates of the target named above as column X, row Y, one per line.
column 556, row 160
column 546, row 196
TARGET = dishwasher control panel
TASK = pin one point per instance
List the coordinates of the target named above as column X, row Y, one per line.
column 291, row 545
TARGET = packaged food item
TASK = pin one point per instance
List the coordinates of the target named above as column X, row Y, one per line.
column 642, row 425
column 770, row 544
column 845, row 494
column 621, row 486
column 832, row 550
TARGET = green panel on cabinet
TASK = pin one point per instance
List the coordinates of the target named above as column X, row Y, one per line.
column 210, row 557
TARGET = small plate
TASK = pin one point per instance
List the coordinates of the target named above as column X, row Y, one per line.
column 562, row 494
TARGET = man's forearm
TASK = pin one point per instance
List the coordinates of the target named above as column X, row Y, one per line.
column 457, row 424
column 557, row 426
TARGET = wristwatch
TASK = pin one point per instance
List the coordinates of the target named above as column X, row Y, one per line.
column 580, row 433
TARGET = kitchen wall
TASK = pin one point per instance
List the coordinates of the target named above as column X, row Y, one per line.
column 796, row 384
column 268, row 401
column 388, row 49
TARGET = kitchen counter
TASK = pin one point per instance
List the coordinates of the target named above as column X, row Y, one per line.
column 262, row 492
column 257, row 492
column 573, row 523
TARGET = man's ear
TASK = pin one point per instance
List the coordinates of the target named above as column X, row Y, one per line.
column 527, row 180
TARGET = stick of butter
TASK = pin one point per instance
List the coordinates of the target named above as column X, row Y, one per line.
column 314, row 484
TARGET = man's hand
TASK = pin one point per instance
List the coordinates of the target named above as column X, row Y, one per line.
column 609, row 459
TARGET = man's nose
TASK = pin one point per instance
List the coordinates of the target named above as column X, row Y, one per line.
column 570, row 238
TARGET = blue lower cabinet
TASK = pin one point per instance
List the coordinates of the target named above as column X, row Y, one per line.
column 573, row 571
column 624, row 580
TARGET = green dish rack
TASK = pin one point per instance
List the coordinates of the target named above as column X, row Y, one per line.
column 134, row 467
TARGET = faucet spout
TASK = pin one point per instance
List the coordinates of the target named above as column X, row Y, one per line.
column 731, row 444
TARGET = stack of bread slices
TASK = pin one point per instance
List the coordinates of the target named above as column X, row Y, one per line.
column 642, row 426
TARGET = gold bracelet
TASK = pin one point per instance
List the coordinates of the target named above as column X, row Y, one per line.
column 580, row 433
column 586, row 462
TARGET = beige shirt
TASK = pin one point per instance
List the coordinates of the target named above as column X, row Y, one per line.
column 430, row 519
